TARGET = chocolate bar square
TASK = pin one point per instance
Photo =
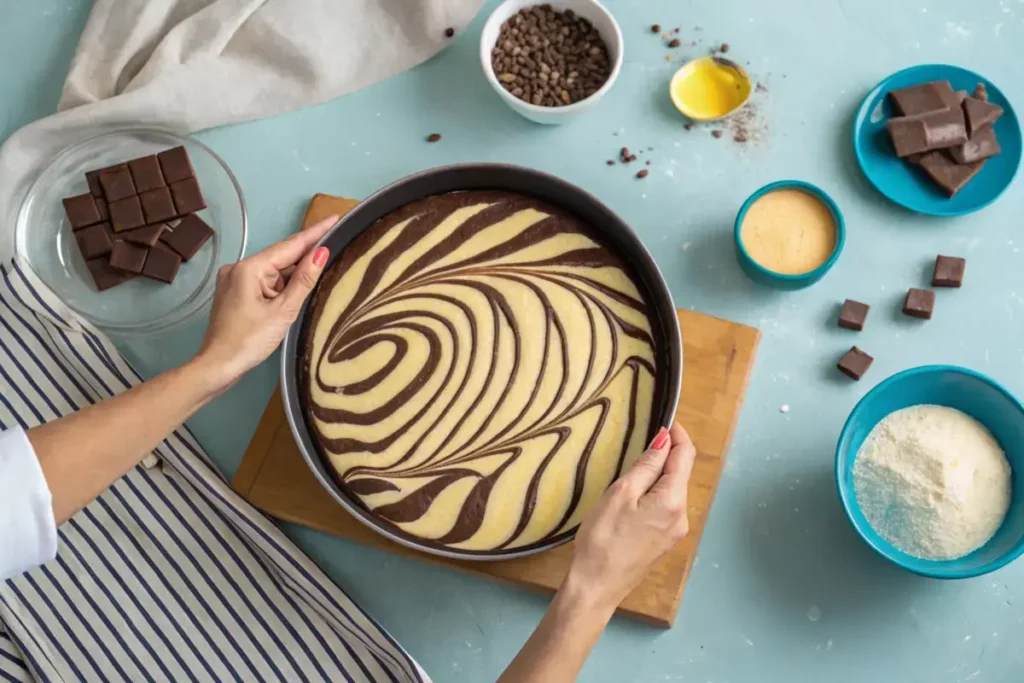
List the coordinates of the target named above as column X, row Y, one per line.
column 117, row 183
column 104, row 275
column 81, row 210
column 146, row 173
column 949, row 271
column 161, row 264
column 126, row 214
column 95, row 188
column 855, row 363
column 157, row 205
column 919, row 303
column 188, row 237
column 128, row 257
column 146, row 236
column 95, row 240
column 853, row 315
column 175, row 164
column 103, row 208
column 188, row 198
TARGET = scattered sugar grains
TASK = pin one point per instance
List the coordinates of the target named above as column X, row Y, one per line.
column 932, row 481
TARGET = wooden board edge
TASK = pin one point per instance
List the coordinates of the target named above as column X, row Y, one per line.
column 248, row 472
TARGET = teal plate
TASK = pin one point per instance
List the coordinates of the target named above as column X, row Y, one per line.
column 910, row 187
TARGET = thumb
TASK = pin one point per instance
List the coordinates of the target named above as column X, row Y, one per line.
column 649, row 466
column 303, row 280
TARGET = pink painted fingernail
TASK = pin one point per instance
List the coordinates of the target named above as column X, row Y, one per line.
column 660, row 439
column 320, row 257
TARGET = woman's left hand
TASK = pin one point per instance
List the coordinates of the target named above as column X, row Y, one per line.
column 257, row 300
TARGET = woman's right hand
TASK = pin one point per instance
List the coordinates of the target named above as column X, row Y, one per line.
column 639, row 519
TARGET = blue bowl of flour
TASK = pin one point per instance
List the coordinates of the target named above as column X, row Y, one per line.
column 969, row 392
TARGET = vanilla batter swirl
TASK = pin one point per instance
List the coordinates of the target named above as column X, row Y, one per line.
column 479, row 370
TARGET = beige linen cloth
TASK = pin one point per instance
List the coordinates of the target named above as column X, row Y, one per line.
column 195, row 64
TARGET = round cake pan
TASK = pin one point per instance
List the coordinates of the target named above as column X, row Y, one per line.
column 608, row 228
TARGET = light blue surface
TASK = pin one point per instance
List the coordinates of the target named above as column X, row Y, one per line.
column 783, row 590
column 764, row 276
column 969, row 392
column 908, row 186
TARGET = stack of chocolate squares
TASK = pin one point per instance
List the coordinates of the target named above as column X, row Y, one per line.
column 947, row 134
column 138, row 218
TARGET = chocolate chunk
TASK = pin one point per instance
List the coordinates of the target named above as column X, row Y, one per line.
column 188, row 237
column 128, row 257
column 947, row 174
column 95, row 188
column 81, row 210
column 103, row 208
column 923, row 98
column 104, row 275
column 855, row 363
column 117, row 183
column 853, row 315
column 147, row 235
column 95, row 240
column 157, row 205
column 982, row 145
column 161, row 264
column 126, row 214
column 175, row 165
column 980, row 113
column 146, row 173
column 919, row 303
column 949, row 271
column 961, row 95
column 928, row 131
column 434, row 137
column 187, row 196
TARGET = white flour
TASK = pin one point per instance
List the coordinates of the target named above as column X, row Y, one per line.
column 932, row 481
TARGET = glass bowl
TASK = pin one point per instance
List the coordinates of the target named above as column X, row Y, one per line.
column 44, row 241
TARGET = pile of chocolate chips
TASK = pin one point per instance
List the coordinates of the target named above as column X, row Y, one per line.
column 138, row 218
column 946, row 134
column 550, row 58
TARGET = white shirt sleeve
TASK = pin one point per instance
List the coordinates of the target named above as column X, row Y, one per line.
column 28, row 534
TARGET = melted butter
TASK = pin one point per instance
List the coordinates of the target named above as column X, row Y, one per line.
column 711, row 89
column 789, row 232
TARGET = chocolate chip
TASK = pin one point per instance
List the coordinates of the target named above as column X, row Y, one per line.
column 550, row 58
column 688, row 126
column 949, row 271
column 449, row 32
column 919, row 303
column 624, row 153
column 853, row 315
column 433, row 137
column 642, row 173
column 855, row 363
column 648, row 162
column 674, row 43
column 610, row 162
column 724, row 48
column 631, row 157
column 716, row 133
column 656, row 28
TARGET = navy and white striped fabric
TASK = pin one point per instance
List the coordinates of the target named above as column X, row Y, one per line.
column 169, row 575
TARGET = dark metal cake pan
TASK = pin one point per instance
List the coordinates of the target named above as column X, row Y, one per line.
column 608, row 228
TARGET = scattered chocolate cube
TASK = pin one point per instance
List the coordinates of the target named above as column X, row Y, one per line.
column 949, row 271
column 146, row 173
column 94, row 241
column 126, row 214
column 146, row 236
column 103, row 208
column 157, row 205
column 919, row 303
column 853, row 315
column 175, row 164
column 161, row 264
column 188, row 237
column 187, row 196
column 95, row 188
column 81, row 211
column 117, row 183
column 128, row 257
column 855, row 363
column 104, row 275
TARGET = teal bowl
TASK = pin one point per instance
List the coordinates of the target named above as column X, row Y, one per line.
column 758, row 273
column 969, row 392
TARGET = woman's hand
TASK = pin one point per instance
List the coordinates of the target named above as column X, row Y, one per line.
column 257, row 300
column 639, row 519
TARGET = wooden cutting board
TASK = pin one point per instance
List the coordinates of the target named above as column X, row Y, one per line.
column 717, row 357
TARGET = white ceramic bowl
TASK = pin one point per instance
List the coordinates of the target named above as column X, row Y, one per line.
column 592, row 11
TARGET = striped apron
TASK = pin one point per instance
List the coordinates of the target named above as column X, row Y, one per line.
column 169, row 575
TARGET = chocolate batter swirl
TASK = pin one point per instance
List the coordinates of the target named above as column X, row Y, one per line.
column 479, row 370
